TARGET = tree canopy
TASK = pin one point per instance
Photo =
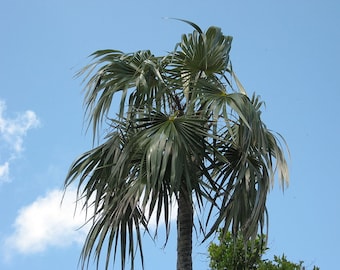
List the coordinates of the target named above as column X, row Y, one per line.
column 185, row 131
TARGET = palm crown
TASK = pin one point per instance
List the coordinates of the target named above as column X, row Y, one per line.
column 184, row 133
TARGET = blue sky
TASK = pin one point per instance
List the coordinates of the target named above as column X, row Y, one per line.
column 288, row 52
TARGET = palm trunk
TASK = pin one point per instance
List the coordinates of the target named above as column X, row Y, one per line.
column 184, row 231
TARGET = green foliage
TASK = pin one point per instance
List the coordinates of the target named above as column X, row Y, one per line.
column 280, row 263
column 185, row 126
column 234, row 253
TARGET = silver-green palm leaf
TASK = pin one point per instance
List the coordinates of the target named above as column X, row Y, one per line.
column 183, row 134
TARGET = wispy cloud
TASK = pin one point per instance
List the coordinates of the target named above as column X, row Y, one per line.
column 4, row 171
column 46, row 222
column 12, row 133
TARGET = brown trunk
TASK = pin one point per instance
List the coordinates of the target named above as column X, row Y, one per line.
column 184, row 231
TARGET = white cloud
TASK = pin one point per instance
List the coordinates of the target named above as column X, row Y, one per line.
column 12, row 133
column 46, row 222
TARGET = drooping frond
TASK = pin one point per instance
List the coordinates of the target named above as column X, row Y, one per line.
column 111, row 191
column 134, row 78
column 245, row 171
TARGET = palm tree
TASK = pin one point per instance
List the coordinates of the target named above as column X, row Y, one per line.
column 183, row 134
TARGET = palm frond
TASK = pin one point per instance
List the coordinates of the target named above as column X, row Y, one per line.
column 114, row 72
column 244, row 172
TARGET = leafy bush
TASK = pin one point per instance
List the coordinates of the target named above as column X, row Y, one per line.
column 233, row 253
column 236, row 254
